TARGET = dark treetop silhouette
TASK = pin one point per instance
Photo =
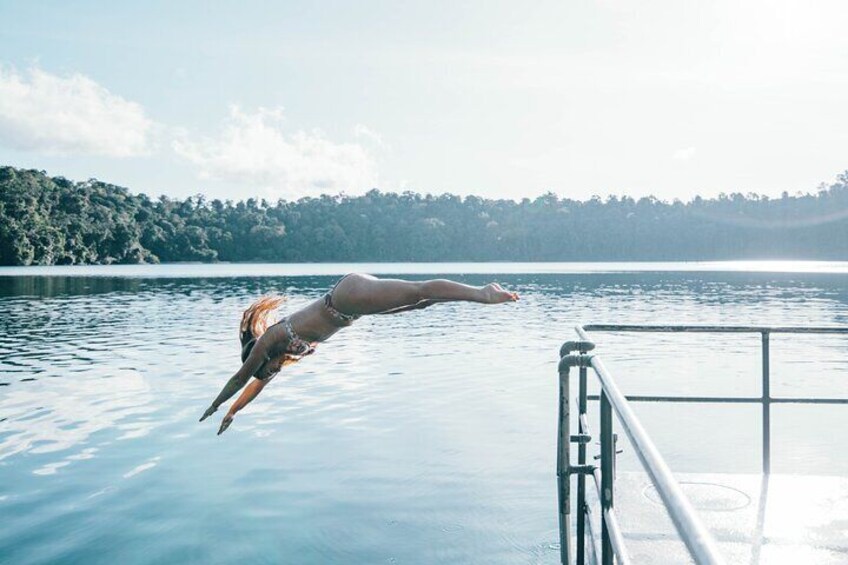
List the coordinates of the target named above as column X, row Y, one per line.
column 47, row 221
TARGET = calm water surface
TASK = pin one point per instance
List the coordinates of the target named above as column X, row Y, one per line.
column 421, row 438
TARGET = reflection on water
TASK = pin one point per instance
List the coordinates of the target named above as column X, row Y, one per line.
column 420, row 438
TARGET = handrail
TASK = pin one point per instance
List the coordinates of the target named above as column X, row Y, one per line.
column 765, row 399
column 715, row 329
column 696, row 537
column 693, row 532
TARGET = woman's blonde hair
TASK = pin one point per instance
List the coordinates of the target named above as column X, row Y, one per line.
column 254, row 322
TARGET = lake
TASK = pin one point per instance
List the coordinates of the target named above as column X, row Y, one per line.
column 425, row 437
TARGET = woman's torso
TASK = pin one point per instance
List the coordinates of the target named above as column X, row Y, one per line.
column 314, row 323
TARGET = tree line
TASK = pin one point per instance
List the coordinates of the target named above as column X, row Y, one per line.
column 54, row 221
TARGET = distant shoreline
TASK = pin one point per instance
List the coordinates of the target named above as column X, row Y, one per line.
column 256, row 269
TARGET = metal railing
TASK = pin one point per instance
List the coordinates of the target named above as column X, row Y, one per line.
column 765, row 398
column 694, row 535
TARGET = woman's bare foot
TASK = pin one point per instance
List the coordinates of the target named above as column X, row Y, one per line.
column 493, row 293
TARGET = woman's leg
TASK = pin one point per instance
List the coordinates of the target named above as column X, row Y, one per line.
column 363, row 294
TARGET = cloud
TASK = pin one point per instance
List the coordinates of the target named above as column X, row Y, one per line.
column 368, row 134
column 684, row 154
column 73, row 115
column 253, row 148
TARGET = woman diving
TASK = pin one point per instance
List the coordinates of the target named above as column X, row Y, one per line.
column 265, row 350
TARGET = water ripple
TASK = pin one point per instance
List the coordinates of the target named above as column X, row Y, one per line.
column 420, row 438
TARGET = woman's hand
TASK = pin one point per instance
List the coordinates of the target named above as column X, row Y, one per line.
column 209, row 411
column 253, row 389
column 225, row 423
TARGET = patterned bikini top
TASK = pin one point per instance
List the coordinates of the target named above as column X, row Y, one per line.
column 297, row 346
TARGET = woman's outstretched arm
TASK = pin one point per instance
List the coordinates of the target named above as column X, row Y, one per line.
column 254, row 362
column 251, row 392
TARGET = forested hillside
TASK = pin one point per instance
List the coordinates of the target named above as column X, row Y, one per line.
column 45, row 221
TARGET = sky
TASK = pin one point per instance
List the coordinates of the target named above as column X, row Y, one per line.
column 513, row 99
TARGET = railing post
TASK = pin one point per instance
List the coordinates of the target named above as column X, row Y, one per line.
column 563, row 463
column 564, row 439
column 766, row 401
column 581, row 478
column 607, row 478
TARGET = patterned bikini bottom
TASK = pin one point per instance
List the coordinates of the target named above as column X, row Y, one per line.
column 341, row 317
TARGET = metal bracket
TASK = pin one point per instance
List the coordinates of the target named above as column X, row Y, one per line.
column 574, row 360
column 581, row 438
column 582, row 469
column 579, row 346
